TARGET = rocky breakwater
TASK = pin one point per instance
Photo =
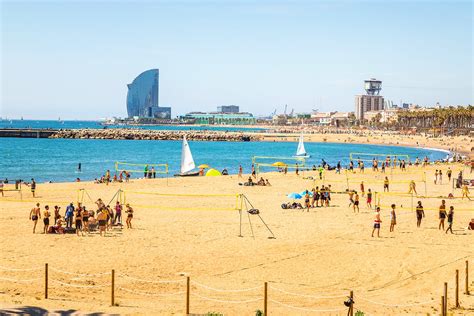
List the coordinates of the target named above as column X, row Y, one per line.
column 140, row 134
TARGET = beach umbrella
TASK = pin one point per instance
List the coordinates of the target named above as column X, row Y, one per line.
column 204, row 166
column 278, row 164
column 213, row 173
column 303, row 193
column 294, row 196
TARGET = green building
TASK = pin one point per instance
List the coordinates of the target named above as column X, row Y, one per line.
column 216, row 118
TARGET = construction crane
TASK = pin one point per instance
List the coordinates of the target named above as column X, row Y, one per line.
column 286, row 106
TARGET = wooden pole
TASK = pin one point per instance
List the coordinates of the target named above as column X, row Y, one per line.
column 467, row 277
column 46, row 281
column 112, row 292
column 351, row 309
column 442, row 306
column 445, row 298
column 187, row 294
column 456, row 293
column 265, row 299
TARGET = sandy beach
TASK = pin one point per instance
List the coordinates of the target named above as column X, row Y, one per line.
column 315, row 260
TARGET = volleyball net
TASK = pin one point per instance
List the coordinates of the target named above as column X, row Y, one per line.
column 380, row 157
column 159, row 168
column 278, row 162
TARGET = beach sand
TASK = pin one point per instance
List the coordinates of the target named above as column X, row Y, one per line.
column 325, row 252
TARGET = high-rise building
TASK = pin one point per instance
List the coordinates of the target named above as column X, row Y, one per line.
column 371, row 101
column 143, row 97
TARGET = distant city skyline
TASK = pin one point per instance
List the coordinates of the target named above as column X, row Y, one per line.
column 73, row 59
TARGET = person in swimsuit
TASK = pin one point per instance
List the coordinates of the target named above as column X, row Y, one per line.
column 369, row 199
column 449, row 173
column 78, row 220
column 440, row 176
column 35, row 213
column 129, row 212
column 385, row 185
column 377, row 222
column 254, row 174
column 317, row 196
column 393, row 218
column 306, row 200
column 328, row 195
column 450, row 219
column 351, row 196
column 102, row 219
column 56, row 213
column 442, row 214
column 362, row 188
column 356, row 202
column 313, row 199
column 420, row 213
column 46, row 215
column 85, row 219
column 33, row 187
column 118, row 213
column 240, row 171
column 465, row 192
column 412, row 188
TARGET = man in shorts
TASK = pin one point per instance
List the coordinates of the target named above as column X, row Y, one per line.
column 35, row 214
column 377, row 222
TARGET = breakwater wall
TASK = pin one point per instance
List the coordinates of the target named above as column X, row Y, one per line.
column 140, row 134
column 27, row 133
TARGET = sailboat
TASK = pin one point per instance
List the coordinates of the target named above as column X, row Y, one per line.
column 187, row 161
column 301, row 151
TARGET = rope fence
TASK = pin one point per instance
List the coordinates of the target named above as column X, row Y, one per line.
column 348, row 302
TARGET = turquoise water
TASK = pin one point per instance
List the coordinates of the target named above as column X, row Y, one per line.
column 57, row 159
column 55, row 124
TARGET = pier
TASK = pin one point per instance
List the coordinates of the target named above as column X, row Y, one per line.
column 27, row 133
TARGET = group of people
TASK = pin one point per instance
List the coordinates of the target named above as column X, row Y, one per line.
column 80, row 220
column 124, row 176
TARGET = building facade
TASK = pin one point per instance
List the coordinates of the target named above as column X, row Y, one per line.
column 228, row 109
column 143, row 97
column 218, row 118
column 367, row 103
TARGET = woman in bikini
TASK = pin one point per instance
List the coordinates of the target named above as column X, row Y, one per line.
column 306, row 201
column 442, row 214
column 85, row 219
column 46, row 215
column 129, row 212
column 78, row 220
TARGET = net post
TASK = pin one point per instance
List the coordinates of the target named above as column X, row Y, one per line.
column 467, row 278
column 351, row 308
column 46, row 281
column 457, row 289
column 112, row 292
column 445, row 298
column 442, row 306
column 265, row 299
column 187, row 294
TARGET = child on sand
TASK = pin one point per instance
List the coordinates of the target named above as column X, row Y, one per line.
column 35, row 213
column 393, row 218
column 450, row 219
column 442, row 214
column 420, row 213
column 377, row 222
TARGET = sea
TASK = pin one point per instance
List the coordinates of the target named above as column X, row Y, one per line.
column 57, row 160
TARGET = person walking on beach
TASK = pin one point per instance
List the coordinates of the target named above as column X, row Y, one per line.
column 306, row 200
column 338, row 167
column 56, row 213
column 435, row 180
column 362, row 188
column 377, row 222
column 297, row 171
column 145, row 171
column 440, row 176
column 35, row 213
column 240, row 171
column 449, row 173
column 412, row 187
column 450, row 219
column 313, row 198
column 78, row 219
column 356, row 202
column 129, row 212
column 351, row 196
column 393, row 218
column 320, row 170
column 369, row 199
column 33, row 187
column 46, row 215
column 102, row 219
column 153, row 172
column 385, row 185
column 420, row 213
column 465, row 192
column 442, row 214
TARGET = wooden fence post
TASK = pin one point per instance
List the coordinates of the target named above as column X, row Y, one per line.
column 467, row 277
column 187, row 294
column 112, row 292
column 445, row 298
column 45, row 280
column 457, row 289
column 265, row 299
column 442, row 306
column 351, row 309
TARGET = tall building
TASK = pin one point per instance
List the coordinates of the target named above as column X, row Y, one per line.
column 228, row 109
column 371, row 101
column 143, row 97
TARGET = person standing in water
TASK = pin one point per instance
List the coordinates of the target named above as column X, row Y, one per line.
column 35, row 214
column 33, row 187
column 79, row 167
column 240, row 171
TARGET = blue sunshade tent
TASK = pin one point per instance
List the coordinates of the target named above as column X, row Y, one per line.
column 294, row 196
column 303, row 193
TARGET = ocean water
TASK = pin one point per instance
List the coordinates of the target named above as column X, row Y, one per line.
column 56, row 124
column 57, row 159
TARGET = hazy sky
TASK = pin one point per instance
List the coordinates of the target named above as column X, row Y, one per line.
column 73, row 59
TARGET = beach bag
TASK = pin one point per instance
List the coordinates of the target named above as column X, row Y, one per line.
column 254, row 211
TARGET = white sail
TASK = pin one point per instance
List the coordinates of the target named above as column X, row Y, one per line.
column 187, row 161
column 301, row 151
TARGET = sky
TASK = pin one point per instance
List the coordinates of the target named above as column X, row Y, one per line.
column 74, row 59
